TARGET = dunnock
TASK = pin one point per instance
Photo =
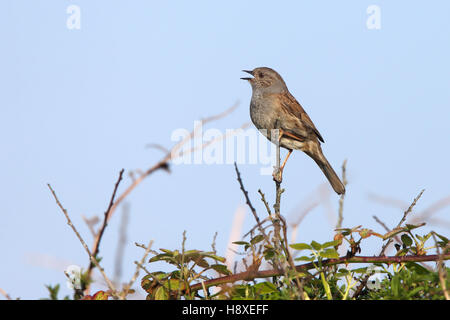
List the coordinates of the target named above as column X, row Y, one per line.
column 274, row 108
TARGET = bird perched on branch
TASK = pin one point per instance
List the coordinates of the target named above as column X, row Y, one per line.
column 278, row 115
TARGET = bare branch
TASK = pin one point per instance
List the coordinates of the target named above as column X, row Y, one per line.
column 341, row 200
column 98, row 238
column 127, row 288
column 247, row 199
column 92, row 258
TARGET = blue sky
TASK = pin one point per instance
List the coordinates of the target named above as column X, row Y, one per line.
column 79, row 105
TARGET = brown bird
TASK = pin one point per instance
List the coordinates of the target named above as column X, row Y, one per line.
column 278, row 115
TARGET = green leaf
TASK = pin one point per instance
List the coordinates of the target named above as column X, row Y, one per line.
column 53, row 291
column 409, row 227
column 407, row 241
column 414, row 291
column 265, row 287
column 161, row 256
column 414, row 266
column 161, row 294
column 172, row 284
column 269, row 254
column 343, row 271
column 304, row 258
column 220, row 268
column 330, row 254
column 396, row 231
column 360, row 270
column 330, row 244
column 257, row 239
column 316, row 245
column 201, row 263
column 444, row 239
column 191, row 256
column 215, row 257
column 395, row 285
column 241, row 243
column 188, row 252
column 150, row 281
column 300, row 246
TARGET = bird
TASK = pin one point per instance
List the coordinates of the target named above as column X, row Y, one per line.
column 281, row 118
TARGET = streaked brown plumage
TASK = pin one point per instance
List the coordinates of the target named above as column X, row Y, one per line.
column 274, row 108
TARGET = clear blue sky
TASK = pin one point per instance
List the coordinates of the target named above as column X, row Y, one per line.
column 76, row 106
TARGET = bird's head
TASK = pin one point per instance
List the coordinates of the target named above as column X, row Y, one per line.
column 265, row 79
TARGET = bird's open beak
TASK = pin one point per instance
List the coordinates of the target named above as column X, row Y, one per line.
column 249, row 72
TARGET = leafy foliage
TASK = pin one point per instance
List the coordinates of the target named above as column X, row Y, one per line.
column 321, row 278
column 190, row 267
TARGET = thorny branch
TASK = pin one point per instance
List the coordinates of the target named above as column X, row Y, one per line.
column 251, row 275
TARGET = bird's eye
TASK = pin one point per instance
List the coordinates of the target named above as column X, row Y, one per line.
column 261, row 75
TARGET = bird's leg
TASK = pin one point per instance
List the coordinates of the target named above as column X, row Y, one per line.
column 285, row 160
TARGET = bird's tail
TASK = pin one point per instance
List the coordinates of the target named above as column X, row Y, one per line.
column 326, row 168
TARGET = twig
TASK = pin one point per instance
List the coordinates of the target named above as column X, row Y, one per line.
column 121, row 243
column 98, row 238
column 385, row 227
column 341, row 200
column 213, row 244
column 247, row 199
column 363, row 283
column 405, row 215
column 91, row 222
column 277, row 205
column 140, row 265
column 395, row 237
column 279, row 242
column 127, row 287
column 92, row 258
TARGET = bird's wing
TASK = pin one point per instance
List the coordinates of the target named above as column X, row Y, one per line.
column 292, row 106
